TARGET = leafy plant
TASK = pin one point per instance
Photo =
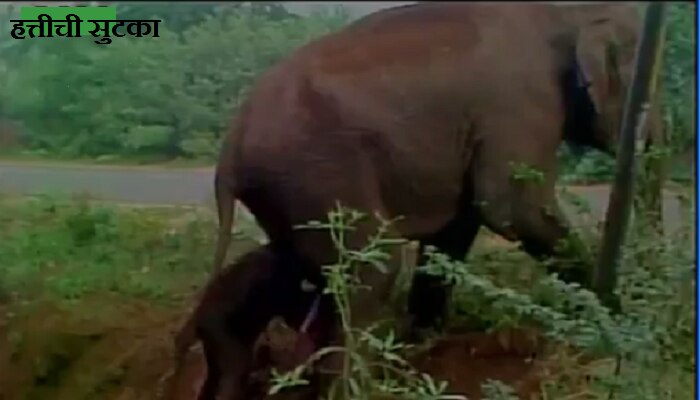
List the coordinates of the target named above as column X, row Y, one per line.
column 373, row 366
column 68, row 249
column 522, row 172
column 169, row 96
column 650, row 333
column 77, row 99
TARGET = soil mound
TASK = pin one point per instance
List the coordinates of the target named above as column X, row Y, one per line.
column 119, row 350
column 468, row 360
column 464, row 360
column 111, row 349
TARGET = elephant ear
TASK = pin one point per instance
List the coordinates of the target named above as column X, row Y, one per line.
column 598, row 64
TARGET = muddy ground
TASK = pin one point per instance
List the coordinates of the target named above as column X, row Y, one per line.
column 464, row 360
column 123, row 352
column 116, row 348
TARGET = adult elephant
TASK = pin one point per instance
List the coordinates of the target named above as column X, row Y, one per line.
column 427, row 112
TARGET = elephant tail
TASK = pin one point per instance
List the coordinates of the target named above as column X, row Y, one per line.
column 226, row 185
column 226, row 209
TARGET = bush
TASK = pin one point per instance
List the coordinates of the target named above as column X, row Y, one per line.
column 679, row 75
column 67, row 249
column 678, row 102
column 168, row 96
column 174, row 95
column 653, row 340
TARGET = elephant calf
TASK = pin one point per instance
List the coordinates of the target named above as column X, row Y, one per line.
column 236, row 307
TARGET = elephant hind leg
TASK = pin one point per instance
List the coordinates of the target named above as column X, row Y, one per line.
column 212, row 380
column 430, row 294
column 373, row 303
column 319, row 188
column 227, row 357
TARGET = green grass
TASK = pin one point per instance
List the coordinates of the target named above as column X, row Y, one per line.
column 499, row 290
column 68, row 250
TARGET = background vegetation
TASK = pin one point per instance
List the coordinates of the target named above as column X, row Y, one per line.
column 678, row 102
column 163, row 98
column 93, row 260
column 172, row 97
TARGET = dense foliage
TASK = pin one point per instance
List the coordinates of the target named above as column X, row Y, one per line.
column 173, row 96
column 73, row 252
column 678, row 101
column 679, row 74
column 170, row 96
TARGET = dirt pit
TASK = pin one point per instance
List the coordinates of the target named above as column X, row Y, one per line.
column 468, row 360
column 119, row 350
column 464, row 360
column 101, row 348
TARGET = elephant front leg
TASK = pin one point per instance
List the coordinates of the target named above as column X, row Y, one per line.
column 517, row 201
column 228, row 362
column 545, row 235
column 514, row 174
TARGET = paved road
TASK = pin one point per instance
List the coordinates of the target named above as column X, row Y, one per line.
column 159, row 186
column 118, row 184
